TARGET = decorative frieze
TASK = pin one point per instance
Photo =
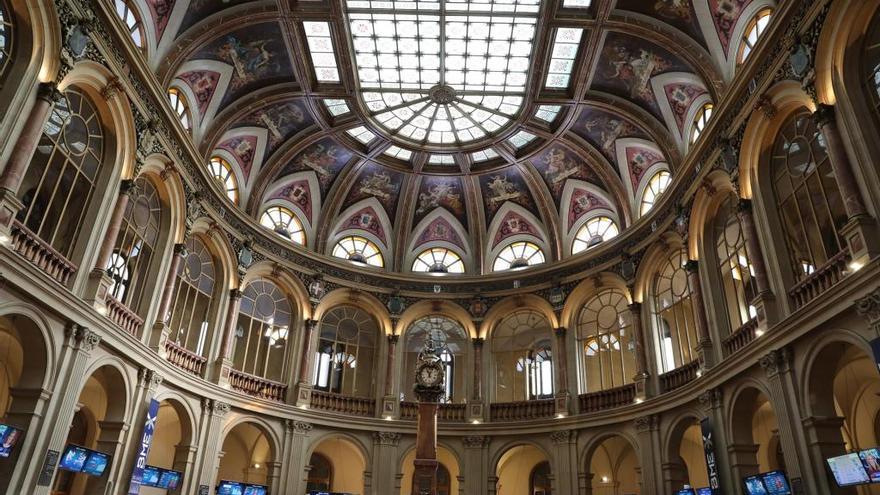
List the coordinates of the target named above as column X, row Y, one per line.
column 84, row 339
column 869, row 308
column 648, row 423
column 298, row 427
column 776, row 361
column 563, row 436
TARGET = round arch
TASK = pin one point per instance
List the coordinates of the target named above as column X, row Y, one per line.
column 291, row 286
column 436, row 307
column 358, row 299
column 586, row 289
column 510, row 304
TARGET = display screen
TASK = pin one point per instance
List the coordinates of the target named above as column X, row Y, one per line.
column 150, row 476
column 776, row 483
column 754, row 486
column 96, row 463
column 704, row 491
column 230, row 488
column 8, row 438
column 848, row 470
column 256, row 490
column 169, row 479
column 74, row 458
column 685, row 491
column 871, row 460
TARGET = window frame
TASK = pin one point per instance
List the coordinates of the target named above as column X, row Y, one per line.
column 297, row 235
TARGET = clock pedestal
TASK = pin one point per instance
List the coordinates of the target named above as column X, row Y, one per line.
column 425, row 474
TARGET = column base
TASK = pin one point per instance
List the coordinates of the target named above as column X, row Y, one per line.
column 706, row 354
column 10, row 205
column 562, row 401
column 475, row 410
column 643, row 387
column 303, row 395
column 220, row 374
column 390, row 407
column 158, row 338
column 862, row 239
column 98, row 289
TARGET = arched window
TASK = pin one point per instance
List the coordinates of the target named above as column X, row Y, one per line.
column 674, row 327
column 539, row 479
column 59, row 183
column 194, row 291
column 346, row 352
column 737, row 273
column 872, row 63
column 807, row 197
column 5, row 37
column 284, row 223
column 360, row 250
column 523, row 359
column 180, row 107
column 605, row 342
column 438, row 260
column 701, row 121
column 263, row 331
column 518, row 255
column 131, row 264
column 222, row 171
column 593, row 232
column 452, row 351
column 753, row 33
column 656, row 186
column 320, row 474
column 132, row 19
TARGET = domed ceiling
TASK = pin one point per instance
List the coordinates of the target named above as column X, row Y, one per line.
column 459, row 124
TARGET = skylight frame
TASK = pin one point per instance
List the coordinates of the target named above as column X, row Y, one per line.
column 566, row 46
column 322, row 51
column 397, row 97
column 336, row 107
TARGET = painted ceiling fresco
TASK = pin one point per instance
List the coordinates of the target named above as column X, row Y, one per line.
column 644, row 69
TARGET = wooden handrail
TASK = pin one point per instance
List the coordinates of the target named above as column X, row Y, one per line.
column 446, row 413
column 522, row 410
column 822, row 279
column 41, row 253
column 327, row 401
column 257, row 386
column 607, row 399
column 680, row 376
column 740, row 338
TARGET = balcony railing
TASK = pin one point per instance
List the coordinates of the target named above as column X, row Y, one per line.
column 184, row 358
column 680, row 376
column 124, row 318
column 820, row 280
column 357, row 406
column 446, row 413
column 256, row 386
column 525, row 410
column 41, row 254
column 740, row 338
column 607, row 399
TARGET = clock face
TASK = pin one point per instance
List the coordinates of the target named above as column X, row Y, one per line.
column 429, row 375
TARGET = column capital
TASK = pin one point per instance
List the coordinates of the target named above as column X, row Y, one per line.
column 869, row 308
column 824, row 114
column 235, row 293
column 647, row 423
column 390, row 438
column 635, row 307
column 215, row 407
column 475, row 441
column 563, row 436
column 776, row 362
column 710, row 399
column 48, row 91
column 393, row 339
column 298, row 427
column 126, row 187
column 150, row 379
column 83, row 338
column 692, row 266
column 560, row 331
column 180, row 250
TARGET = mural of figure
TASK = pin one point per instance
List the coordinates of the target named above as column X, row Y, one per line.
column 502, row 190
column 377, row 184
column 438, row 194
column 559, row 166
column 319, row 158
column 250, row 60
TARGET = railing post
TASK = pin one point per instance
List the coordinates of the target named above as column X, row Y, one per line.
column 764, row 301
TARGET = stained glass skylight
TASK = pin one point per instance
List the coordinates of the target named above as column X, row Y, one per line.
column 548, row 113
column 362, row 134
column 321, row 48
column 398, row 152
column 484, row 155
column 446, row 72
column 521, row 139
column 336, row 107
column 565, row 49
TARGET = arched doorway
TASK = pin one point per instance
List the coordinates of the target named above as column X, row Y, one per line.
column 339, row 463
column 755, row 446
column 248, row 455
column 685, row 462
column 614, row 468
column 524, row 470
column 448, row 473
column 172, row 443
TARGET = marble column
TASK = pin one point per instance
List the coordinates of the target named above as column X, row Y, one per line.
column 160, row 328
column 390, row 402
column 99, row 280
column 22, row 152
column 641, row 376
column 227, row 342
column 211, row 425
column 705, row 342
column 304, row 384
column 860, row 231
column 764, row 300
column 565, row 467
column 560, row 363
column 294, row 453
column 475, row 404
column 648, row 433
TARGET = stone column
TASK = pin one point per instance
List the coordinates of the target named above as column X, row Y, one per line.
column 98, row 287
column 560, row 364
column 227, row 342
column 641, row 377
column 22, row 152
column 389, row 400
column 565, row 468
column 476, row 408
column 273, row 477
column 647, row 433
column 705, row 343
column 763, row 302
column 304, row 385
column 825, row 440
column 860, row 230
column 385, row 460
column 111, row 441
column 475, row 465
column 26, row 412
column 211, row 424
column 294, row 450
column 184, row 461
column 675, row 476
column 160, row 328
column 784, row 397
column 79, row 342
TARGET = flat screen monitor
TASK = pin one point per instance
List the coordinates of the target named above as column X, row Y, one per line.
column 871, row 460
column 848, row 470
column 150, row 476
column 96, row 464
column 230, row 488
column 169, row 480
column 74, row 458
column 9, row 436
column 256, row 490
column 754, row 485
column 776, row 483
column 704, row 491
column 685, row 491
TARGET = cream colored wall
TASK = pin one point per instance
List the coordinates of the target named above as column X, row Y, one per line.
column 764, row 427
column 691, row 452
column 614, row 467
column 444, row 456
column 243, row 448
column 515, row 467
column 348, row 465
column 11, row 356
